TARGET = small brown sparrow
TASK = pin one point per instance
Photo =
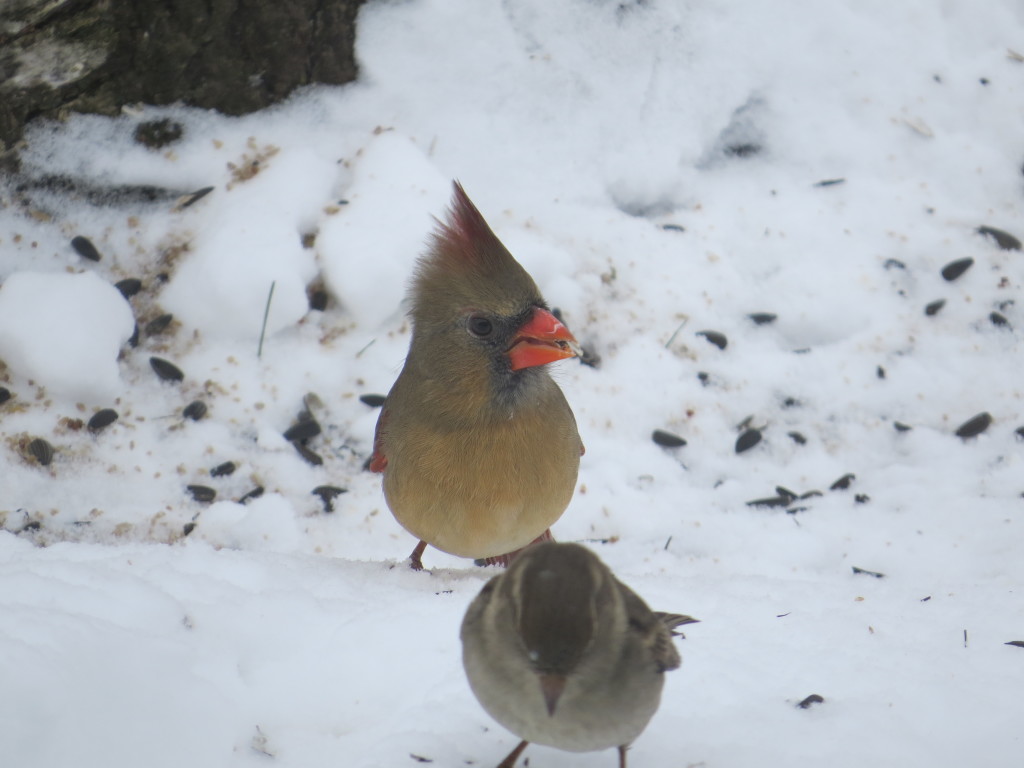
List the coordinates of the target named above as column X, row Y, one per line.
column 563, row 654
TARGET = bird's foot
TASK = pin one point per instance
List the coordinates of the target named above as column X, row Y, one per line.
column 510, row 761
column 622, row 755
column 416, row 558
column 506, row 559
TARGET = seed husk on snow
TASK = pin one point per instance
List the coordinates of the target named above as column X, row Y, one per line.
column 202, row 493
column 747, row 440
column 41, row 451
column 899, row 426
column 843, row 482
column 715, row 337
column 797, row 438
column 1018, row 643
column 974, row 425
column 999, row 320
column 667, row 439
column 1004, row 240
column 158, row 324
column 255, row 493
column 814, row 698
column 223, row 470
column 194, row 410
column 303, row 430
column 5, row 395
column 166, row 370
column 129, row 286
column 327, row 494
column 771, row 501
column 762, row 318
column 310, row 456
column 83, row 247
column 102, row 418
column 933, row 308
column 372, row 400
column 954, row 269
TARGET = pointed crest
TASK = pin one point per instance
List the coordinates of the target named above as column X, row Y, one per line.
column 465, row 240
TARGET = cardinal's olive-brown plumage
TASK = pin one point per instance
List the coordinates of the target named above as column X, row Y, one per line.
column 477, row 444
column 562, row 653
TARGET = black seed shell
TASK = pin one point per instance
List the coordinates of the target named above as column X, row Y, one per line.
column 158, row 324
column 133, row 340
column 762, row 318
column 715, row 337
column 771, row 501
column 83, row 247
column 318, row 300
column 667, row 439
column 194, row 410
column 195, row 197
column 188, row 528
column 202, row 493
column 899, row 426
column 166, row 370
column 255, row 493
column 673, row 228
column 1004, row 240
column 5, row 395
column 129, row 286
column 374, row 401
column 303, row 430
column 999, row 320
column 814, row 698
column 223, row 470
column 954, row 269
column 747, row 440
column 843, row 482
column 41, row 451
column 797, row 438
column 312, row 457
column 934, row 307
column 101, row 419
column 327, row 494
column 975, row 425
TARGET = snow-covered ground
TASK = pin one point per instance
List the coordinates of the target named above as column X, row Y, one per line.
column 658, row 167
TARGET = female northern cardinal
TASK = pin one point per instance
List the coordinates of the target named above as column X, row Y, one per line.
column 562, row 653
column 477, row 444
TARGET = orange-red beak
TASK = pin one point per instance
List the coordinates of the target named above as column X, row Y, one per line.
column 542, row 339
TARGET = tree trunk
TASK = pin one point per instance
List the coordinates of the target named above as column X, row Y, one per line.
column 235, row 56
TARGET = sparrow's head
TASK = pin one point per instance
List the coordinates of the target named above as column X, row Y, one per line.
column 475, row 309
column 560, row 593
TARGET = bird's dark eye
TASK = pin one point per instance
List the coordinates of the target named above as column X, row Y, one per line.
column 480, row 326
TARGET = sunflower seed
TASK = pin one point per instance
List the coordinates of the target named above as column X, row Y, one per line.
column 673, row 228
column 189, row 527
column 829, row 182
column 934, row 307
column 303, row 430
column 312, row 457
column 714, row 337
column 374, row 401
column 166, row 370
column 763, row 318
column 954, row 269
column 1017, row 643
column 193, row 198
column 797, row 438
column 999, row 320
column 201, row 493
column 974, row 425
column 255, row 493
column 812, row 699
column 771, row 501
column 1004, row 240
column 158, row 324
column 748, row 440
column 223, row 470
column 843, row 482
column 83, row 247
column 899, row 426
column 5, row 395
column 318, row 300
column 194, row 410
column 667, row 439
column 133, row 340
column 41, row 451
column 327, row 494
column 129, row 286
column 102, row 418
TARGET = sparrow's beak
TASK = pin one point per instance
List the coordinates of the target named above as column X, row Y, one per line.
column 552, row 686
column 542, row 339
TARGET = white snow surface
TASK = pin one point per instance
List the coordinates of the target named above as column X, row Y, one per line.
column 279, row 633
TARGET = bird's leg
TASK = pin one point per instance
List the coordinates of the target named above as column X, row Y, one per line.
column 415, row 561
column 622, row 755
column 508, row 557
column 510, row 761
